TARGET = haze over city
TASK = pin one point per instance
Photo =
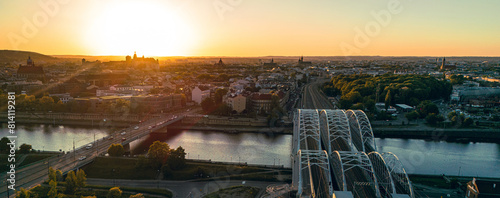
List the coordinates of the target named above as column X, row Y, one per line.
column 252, row 28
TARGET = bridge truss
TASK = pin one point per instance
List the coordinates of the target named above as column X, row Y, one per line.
column 361, row 131
column 335, row 131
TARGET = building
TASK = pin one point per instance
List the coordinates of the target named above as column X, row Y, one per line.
column 302, row 62
column 482, row 188
column 444, row 66
column 220, row 63
column 238, row 103
column 263, row 102
column 200, row 93
column 30, row 71
column 271, row 64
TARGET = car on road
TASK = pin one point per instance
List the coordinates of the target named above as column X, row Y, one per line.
column 81, row 158
column 150, row 127
column 123, row 139
column 89, row 146
column 136, row 127
column 110, row 137
column 123, row 133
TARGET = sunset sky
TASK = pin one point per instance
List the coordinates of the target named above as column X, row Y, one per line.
column 252, row 27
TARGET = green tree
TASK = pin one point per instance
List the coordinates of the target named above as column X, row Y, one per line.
column 388, row 99
column 411, row 116
column 71, row 183
column 53, row 189
column 467, row 122
column 219, row 94
column 25, row 148
column 4, row 147
column 114, row 192
column 81, row 178
column 46, row 103
column 23, row 193
column 116, row 150
column 158, row 153
column 177, row 158
column 137, row 196
column 59, row 175
column 433, row 118
column 208, row 105
column 427, row 107
column 52, row 174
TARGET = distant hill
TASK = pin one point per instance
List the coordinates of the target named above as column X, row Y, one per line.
column 20, row 57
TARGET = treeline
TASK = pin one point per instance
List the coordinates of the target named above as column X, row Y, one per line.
column 363, row 91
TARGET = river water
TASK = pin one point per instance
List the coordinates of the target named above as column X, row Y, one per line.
column 417, row 156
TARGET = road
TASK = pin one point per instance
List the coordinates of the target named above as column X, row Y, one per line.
column 34, row 174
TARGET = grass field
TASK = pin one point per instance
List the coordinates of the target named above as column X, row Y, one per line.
column 30, row 158
column 235, row 191
column 118, row 168
column 124, row 168
column 101, row 191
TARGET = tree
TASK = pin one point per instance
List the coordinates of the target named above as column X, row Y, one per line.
column 81, row 178
column 467, row 122
column 219, row 94
column 116, row 150
column 52, row 174
column 139, row 195
column 183, row 100
column 59, row 175
column 177, row 158
column 114, row 192
column 71, row 183
column 388, row 99
column 25, row 148
column 208, row 105
column 158, row 153
column 53, row 189
column 23, row 193
column 433, row 118
column 4, row 147
column 411, row 116
column 427, row 107
column 46, row 103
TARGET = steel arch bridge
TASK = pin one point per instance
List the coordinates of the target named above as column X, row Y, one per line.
column 355, row 173
column 398, row 173
column 310, row 184
column 343, row 163
column 335, row 131
column 361, row 131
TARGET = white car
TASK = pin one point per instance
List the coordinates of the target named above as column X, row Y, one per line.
column 89, row 146
column 123, row 133
column 81, row 158
column 136, row 127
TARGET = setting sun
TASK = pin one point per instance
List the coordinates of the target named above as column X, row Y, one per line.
column 152, row 28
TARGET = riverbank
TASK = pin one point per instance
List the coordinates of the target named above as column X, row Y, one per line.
column 450, row 135
column 234, row 129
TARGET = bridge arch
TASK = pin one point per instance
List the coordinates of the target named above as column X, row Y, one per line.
column 398, row 173
column 355, row 173
column 361, row 131
column 335, row 131
column 385, row 181
column 307, row 129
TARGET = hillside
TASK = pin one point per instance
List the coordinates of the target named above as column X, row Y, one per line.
column 19, row 57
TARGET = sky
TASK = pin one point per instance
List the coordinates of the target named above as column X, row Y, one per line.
column 252, row 27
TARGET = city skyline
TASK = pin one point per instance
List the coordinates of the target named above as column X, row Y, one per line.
column 252, row 28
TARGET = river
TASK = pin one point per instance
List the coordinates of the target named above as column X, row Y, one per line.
column 418, row 156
